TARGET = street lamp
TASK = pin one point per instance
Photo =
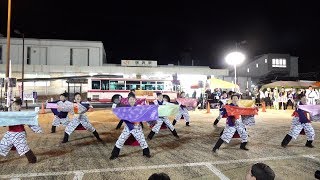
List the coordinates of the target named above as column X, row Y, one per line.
column 235, row 58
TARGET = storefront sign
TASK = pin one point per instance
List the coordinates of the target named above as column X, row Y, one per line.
column 139, row 63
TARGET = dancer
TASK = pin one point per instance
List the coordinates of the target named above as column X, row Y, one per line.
column 61, row 117
column 80, row 110
column 16, row 136
column 161, row 120
column 124, row 102
column 300, row 122
column 233, row 124
column 183, row 111
column 131, row 128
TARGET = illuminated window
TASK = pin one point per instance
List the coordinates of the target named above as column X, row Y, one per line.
column 281, row 63
column 116, row 85
column 148, row 85
column 95, row 84
column 104, row 84
column 132, row 85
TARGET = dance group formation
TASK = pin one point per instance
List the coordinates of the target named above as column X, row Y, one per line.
column 132, row 112
column 301, row 122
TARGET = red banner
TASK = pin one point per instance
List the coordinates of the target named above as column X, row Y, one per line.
column 236, row 111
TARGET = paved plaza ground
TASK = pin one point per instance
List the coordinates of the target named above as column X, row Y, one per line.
column 189, row 157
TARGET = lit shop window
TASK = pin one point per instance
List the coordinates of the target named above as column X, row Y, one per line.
column 281, row 63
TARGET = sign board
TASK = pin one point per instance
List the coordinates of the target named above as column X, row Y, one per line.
column 29, row 96
column 139, row 63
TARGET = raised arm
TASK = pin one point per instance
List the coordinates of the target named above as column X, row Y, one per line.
column 36, row 129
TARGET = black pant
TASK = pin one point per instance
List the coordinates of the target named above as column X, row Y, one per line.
column 268, row 101
column 289, row 103
column 284, row 105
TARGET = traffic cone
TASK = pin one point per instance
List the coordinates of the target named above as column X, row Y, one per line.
column 42, row 111
column 263, row 107
column 208, row 107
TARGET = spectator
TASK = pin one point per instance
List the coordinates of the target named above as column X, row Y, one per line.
column 312, row 95
column 246, row 95
column 268, row 97
column 194, row 94
column 260, row 171
column 317, row 174
column 159, row 176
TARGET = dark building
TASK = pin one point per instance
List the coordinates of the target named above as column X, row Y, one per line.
column 265, row 68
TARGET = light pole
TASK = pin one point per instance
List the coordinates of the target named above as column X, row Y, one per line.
column 235, row 58
column 22, row 71
column 8, row 55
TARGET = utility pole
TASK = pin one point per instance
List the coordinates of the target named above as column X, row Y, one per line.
column 8, row 55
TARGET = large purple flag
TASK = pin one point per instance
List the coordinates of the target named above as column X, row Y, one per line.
column 312, row 109
column 137, row 113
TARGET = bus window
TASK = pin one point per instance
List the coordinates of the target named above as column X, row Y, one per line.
column 160, row 85
column 132, row 85
column 116, row 85
column 95, row 84
column 104, row 84
column 148, row 85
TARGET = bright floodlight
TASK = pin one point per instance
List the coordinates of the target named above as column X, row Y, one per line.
column 235, row 58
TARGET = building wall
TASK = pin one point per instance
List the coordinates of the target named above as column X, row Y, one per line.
column 254, row 71
column 265, row 66
column 294, row 67
column 55, row 52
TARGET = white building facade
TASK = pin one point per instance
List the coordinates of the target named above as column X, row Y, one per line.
column 54, row 52
column 65, row 58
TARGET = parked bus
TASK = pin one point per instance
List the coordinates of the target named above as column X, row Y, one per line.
column 108, row 90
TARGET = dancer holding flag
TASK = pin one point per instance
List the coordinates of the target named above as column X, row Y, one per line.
column 16, row 135
column 183, row 111
column 61, row 113
column 79, row 109
column 236, row 123
column 125, row 103
column 133, row 128
column 301, row 122
column 163, row 119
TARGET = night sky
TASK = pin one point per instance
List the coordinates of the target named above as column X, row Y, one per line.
column 164, row 30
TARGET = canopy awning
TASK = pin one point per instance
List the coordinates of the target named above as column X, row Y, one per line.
column 288, row 84
column 218, row 83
